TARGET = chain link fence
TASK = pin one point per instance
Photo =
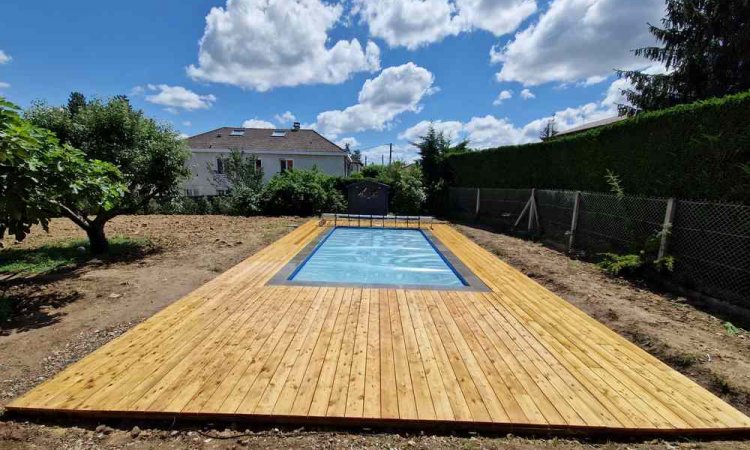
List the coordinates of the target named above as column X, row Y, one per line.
column 710, row 242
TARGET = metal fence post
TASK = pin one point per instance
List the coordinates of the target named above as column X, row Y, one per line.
column 666, row 228
column 476, row 209
column 574, row 221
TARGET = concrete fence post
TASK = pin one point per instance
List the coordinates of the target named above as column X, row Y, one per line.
column 666, row 228
column 574, row 221
column 476, row 209
column 532, row 210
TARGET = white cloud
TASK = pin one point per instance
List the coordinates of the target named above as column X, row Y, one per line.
column 450, row 128
column 401, row 152
column 175, row 98
column 490, row 131
column 504, row 95
column 394, row 91
column 4, row 85
column 499, row 17
column 187, row 123
column 527, row 94
column 353, row 142
column 414, row 23
column 4, row 57
column 579, row 41
column 263, row 44
column 286, row 117
column 257, row 123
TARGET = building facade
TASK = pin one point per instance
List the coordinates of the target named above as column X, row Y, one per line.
column 275, row 151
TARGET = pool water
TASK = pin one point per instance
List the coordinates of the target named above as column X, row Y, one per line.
column 377, row 256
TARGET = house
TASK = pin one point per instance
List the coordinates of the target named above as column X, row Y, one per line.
column 591, row 126
column 276, row 151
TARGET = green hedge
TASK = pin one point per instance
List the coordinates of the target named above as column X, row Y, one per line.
column 695, row 151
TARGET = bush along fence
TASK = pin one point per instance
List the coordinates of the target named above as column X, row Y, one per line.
column 703, row 246
column 696, row 151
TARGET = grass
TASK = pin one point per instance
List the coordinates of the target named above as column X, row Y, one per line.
column 65, row 254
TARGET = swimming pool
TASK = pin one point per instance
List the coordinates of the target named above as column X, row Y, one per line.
column 377, row 257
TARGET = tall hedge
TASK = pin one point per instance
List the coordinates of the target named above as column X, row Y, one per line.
column 695, row 151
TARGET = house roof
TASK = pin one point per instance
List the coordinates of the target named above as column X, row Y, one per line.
column 590, row 125
column 263, row 139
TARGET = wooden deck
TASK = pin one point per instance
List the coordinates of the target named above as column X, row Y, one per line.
column 516, row 358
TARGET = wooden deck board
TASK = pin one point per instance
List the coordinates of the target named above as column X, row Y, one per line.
column 512, row 358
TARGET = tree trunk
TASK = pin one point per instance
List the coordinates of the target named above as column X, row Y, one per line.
column 97, row 239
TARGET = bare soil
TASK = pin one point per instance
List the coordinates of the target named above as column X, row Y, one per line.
column 74, row 312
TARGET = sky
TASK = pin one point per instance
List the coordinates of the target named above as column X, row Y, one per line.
column 361, row 72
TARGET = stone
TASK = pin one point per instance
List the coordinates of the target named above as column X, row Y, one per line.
column 135, row 432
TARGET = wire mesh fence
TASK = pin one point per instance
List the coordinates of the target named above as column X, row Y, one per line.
column 624, row 225
column 709, row 242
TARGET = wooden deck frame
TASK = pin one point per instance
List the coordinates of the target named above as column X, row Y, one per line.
column 515, row 359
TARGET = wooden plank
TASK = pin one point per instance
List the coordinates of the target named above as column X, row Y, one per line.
column 267, row 363
column 388, row 387
column 476, row 390
column 419, row 382
column 434, row 379
column 296, row 376
column 516, row 355
column 270, row 396
column 355, row 399
column 327, row 376
column 407, row 408
column 451, row 383
column 371, row 407
column 339, row 392
column 307, row 388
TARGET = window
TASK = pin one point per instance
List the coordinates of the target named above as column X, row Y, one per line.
column 258, row 165
column 240, row 132
column 221, row 192
column 278, row 133
column 287, row 164
column 192, row 192
column 219, row 166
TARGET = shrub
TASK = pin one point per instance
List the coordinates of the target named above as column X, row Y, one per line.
column 302, row 192
column 408, row 194
column 696, row 151
column 245, row 181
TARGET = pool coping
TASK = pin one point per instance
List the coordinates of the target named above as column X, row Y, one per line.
column 472, row 282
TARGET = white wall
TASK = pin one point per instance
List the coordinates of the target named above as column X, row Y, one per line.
column 203, row 179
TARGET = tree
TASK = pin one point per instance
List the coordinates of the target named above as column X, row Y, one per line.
column 549, row 130
column 245, row 181
column 357, row 156
column 42, row 178
column 705, row 48
column 433, row 147
column 151, row 156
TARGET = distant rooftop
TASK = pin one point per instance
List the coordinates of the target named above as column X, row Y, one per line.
column 259, row 139
column 590, row 125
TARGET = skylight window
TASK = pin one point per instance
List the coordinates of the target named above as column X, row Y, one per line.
column 278, row 133
column 237, row 133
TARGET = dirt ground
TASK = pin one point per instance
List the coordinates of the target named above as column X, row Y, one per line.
column 77, row 311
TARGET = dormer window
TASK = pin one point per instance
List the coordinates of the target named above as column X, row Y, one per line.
column 238, row 132
column 278, row 133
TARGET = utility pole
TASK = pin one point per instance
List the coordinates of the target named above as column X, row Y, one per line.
column 382, row 160
column 390, row 153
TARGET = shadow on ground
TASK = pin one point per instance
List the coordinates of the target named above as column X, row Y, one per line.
column 28, row 299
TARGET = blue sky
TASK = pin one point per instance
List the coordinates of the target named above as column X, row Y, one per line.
column 361, row 72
